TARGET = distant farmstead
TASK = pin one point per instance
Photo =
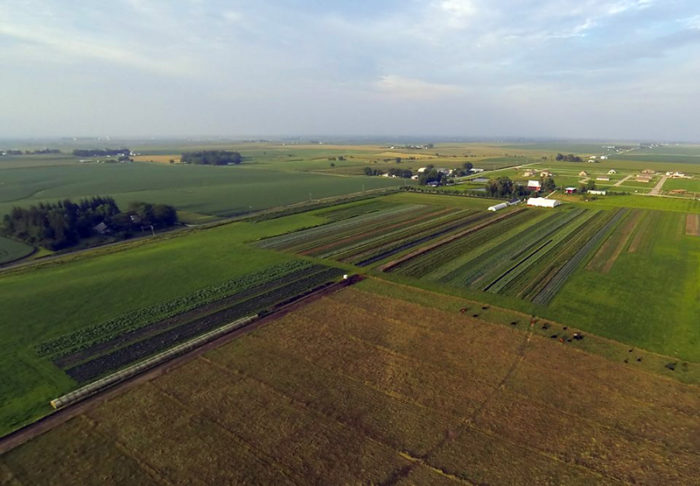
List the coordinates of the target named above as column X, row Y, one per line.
column 570, row 190
column 542, row 202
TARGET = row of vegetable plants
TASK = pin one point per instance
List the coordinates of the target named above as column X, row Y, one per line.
column 70, row 359
column 422, row 265
column 560, row 277
column 492, row 263
column 296, row 241
column 535, row 254
column 135, row 351
column 392, row 243
column 106, row 330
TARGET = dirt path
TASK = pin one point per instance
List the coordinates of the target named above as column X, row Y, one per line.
column 658, row 186
column 20, row 436
column 622, row 181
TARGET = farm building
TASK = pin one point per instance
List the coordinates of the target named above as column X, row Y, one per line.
column 528, row 173
column 583, row 173
column 570, row 190
column 596, row 192
column 498, row 207
column 643, row 178
column 603, row 157
column 542, row 202
column 602, row 178
column 612, row 171
column 546, row 173
column 534, row 185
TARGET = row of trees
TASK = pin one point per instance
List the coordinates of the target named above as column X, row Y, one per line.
column 505, row 187
column 64, row 224
column 568, row 158
column 212, row 157
column 393, row 172
column 30, row 152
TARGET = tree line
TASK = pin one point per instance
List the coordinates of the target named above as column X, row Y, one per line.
column 64, row 223
column 505, row 187
column 568, row 158
column 212, row 157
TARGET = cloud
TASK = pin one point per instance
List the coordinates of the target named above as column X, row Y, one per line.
column 459, row 13
column 414, row 89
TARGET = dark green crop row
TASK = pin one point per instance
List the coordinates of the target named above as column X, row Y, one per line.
column 132, row 320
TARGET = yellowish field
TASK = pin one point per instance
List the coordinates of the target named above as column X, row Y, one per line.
column 159, row 159
column 363, row 388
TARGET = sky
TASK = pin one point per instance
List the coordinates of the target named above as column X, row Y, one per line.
column 620, row 69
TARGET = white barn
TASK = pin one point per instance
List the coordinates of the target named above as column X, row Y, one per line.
column 542, row 202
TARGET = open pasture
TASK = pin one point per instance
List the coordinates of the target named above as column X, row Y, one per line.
column 363, row 388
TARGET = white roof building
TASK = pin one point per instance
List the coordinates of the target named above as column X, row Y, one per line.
column 596, row 192
column 498, row 206
column 542, row 202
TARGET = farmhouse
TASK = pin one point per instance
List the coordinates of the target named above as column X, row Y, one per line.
column 542, row 202
column 603, row 157
column 583, row 173
column 641, row 178
column 612, row 171
column 498, row 207
column 528, row 173
column 597, row 192
column 546, row 173
column 570, row 190
column 534, row 185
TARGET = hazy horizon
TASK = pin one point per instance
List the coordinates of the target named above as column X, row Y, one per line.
column 463, row 69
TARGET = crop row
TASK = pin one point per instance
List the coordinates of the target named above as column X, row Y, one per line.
column 492, row 263
column 523, row 261
column 70, row 359
column 390, row 231
column 106, row 330
column 532, row 279
column 296, row 240
column 337, row 245
column 118, row 358
column 559, row 279
column 427, row 262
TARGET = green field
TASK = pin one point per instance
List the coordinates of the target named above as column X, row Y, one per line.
column 11, row 250
column 220, row 191
column 646, row 297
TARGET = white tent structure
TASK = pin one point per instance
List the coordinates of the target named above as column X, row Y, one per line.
column 498, row 206
column 542, row 202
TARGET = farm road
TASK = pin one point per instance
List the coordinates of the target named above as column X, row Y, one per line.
column 657, row 188
column 621, row 181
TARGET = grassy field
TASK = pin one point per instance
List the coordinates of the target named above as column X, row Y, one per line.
column 220, row 191
column 13, row 250
column 58, row 298
column 363, row 388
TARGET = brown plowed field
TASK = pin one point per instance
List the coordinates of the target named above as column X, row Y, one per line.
column 356, row 387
